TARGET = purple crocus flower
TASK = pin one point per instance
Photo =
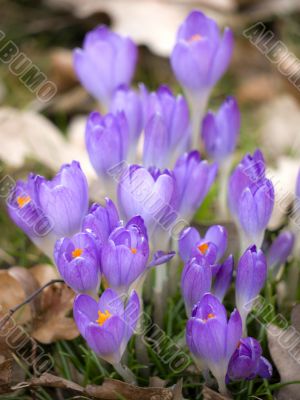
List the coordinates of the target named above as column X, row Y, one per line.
column 106, row 62
column 194, row 178
column 223, row 278
column 106, row 142
column 125, row 255
column 150, row 194
column 199, row 59
column 220, row 131
column 213, row 245
column 250, row 279
column 129, row 101
column 167, row 127
column 107, row 325
column 196, row 280
column 247, row 361
column 78, row 262
column 101, row 221
column 64, row 199
column 211, row 338
column 279, row 251
column 251, row 198
column 24, row 208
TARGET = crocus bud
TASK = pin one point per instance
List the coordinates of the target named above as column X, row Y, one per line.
column 64, row 199
column 200, row 57
column 107, row 325
column 211, row 338
column 223, row 278
column 250, row 279
column 247, row 361
column 129, row 101
column 195, row 281
column 78, row 263
column 251, row 198
column 220, row 131
column 106, row 142
column 167, row 127
column 125, row 256
column 279, row 251
column 24, row 208
column 106, row 61
column 213, row 245
column 101, row 221
column 194, row 178
column 150, row 194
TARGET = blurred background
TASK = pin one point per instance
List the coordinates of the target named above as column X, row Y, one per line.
column 41, row 135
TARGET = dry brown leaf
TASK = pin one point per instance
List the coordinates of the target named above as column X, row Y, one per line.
column 53, row 323
column 44, row 273
column 209, row 394
column 287, row 365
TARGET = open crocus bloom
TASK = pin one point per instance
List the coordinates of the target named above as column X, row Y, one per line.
column 77, row 260
column 213, row 245
column 211, row 338
column 107, row 325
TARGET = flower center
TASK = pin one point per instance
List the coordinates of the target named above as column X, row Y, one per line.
column 133, row 250
column 77, row 253
column 209, row 316
column 202, row 248
column 102, row 317
column 23, row 200
column 195, row 38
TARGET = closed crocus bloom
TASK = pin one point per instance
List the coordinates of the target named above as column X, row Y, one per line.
column 220, row 131
column 167, row 127
column 107, row 325
column 129, row 101
column 194, row 178
column 250, row 279
column 279, row 251
column 200, row 57
column 64, row 199
column 106, row 61
column 223, row 278
column 78, row 262
column 247, row 361
column 25, row 210
column 211, row 338
column 106, row 142
column 251, row 199
column 196, row 280
column 148, row 193
column 125, row 256
column 191, row 244
column 101, row 221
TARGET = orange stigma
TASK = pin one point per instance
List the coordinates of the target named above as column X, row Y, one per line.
column 133, row 250
column 210, row 315
column 77, row 252
column 203, row 248
column 195, row 38
column 23, row 200
column 102, row 317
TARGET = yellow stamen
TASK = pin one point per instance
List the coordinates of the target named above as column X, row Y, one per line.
column 133, row 250
column 77, row 252
column 23, row 200
column 195, row 38
column 102, row 317
column 203, row 248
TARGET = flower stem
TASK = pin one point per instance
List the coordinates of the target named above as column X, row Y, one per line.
column 224, row 170
column 125, row 373
column 159, row 290
column 197, row 105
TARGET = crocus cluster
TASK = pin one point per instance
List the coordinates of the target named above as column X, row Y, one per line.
column 144, row 146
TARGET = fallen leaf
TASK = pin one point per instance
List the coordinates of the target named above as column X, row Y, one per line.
column 285, row 355
column 44, row 273
column 52, row 323
column 209, row 394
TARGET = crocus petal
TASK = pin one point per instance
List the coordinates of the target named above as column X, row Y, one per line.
column 85, row 310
